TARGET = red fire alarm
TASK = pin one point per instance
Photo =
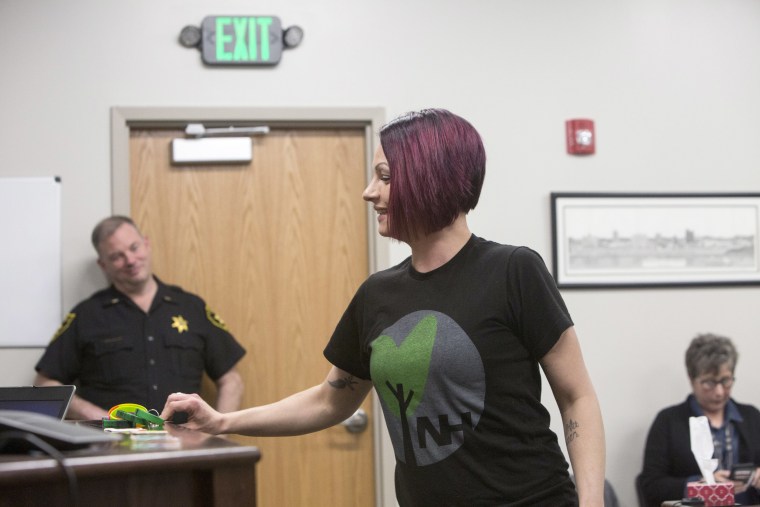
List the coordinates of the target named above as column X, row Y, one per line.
column 581, row 139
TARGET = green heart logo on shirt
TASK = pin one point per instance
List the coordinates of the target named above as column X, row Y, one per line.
column 400, row 372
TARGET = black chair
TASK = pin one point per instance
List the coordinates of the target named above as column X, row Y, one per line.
column 610, row 498
column 640, row 492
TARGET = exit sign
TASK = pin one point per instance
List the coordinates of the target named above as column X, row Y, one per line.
column 241, row 40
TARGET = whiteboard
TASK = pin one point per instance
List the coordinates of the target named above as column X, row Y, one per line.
column 30, row 260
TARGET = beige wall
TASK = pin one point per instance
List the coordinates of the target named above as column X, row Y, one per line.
column 671, row 84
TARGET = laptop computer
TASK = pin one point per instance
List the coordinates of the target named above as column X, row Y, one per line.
column 17, row 425
column 48, row 400
column 39, row 411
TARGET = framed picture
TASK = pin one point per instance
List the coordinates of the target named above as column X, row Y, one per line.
column 648, row 240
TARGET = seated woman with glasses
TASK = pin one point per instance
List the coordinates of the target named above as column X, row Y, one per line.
column 668, row 461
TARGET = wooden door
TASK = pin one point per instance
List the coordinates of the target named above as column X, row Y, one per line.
column 277, row 248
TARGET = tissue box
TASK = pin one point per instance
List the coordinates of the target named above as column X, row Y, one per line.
column 721, row 493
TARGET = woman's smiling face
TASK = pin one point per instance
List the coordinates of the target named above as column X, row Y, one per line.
column 379, row 189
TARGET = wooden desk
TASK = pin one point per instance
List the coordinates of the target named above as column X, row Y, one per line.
column 194, row 470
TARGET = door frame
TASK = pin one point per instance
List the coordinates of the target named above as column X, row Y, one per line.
column 123, row 119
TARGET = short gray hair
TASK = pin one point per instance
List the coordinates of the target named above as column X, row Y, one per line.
column 708, row 352
column 108, row 226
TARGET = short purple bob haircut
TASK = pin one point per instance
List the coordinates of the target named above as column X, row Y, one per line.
column 437, row 163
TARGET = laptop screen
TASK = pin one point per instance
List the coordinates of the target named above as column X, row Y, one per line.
column 48, row 400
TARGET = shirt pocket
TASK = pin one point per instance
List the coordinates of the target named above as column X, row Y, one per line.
column 185, row 355
column 115, row 358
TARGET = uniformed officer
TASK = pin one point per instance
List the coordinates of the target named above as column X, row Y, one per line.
column 138, row 340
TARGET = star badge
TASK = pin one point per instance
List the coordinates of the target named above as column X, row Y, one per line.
column 180, row 324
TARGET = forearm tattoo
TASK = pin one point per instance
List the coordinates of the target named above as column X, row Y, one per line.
column 343, row 383
column 571, row 431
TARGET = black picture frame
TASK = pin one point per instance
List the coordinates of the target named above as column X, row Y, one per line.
column 655, row 239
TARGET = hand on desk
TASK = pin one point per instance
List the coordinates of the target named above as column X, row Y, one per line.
column 754, row 479
column 739, row 486
column 199, row 415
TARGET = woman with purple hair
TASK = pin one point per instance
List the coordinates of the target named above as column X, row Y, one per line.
column 453, row 340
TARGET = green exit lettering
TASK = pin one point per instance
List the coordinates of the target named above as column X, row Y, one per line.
column 242, row 39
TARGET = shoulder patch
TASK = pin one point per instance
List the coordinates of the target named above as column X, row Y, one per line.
column 215, row 319
column 64, row 326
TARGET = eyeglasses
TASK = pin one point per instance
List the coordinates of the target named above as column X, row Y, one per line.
column 711, row 384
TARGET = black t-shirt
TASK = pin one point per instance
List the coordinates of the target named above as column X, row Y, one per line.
column 117, row 353
column 453, row 355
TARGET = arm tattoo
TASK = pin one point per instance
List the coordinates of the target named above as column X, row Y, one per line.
column 342, row 383
column 571, row 432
